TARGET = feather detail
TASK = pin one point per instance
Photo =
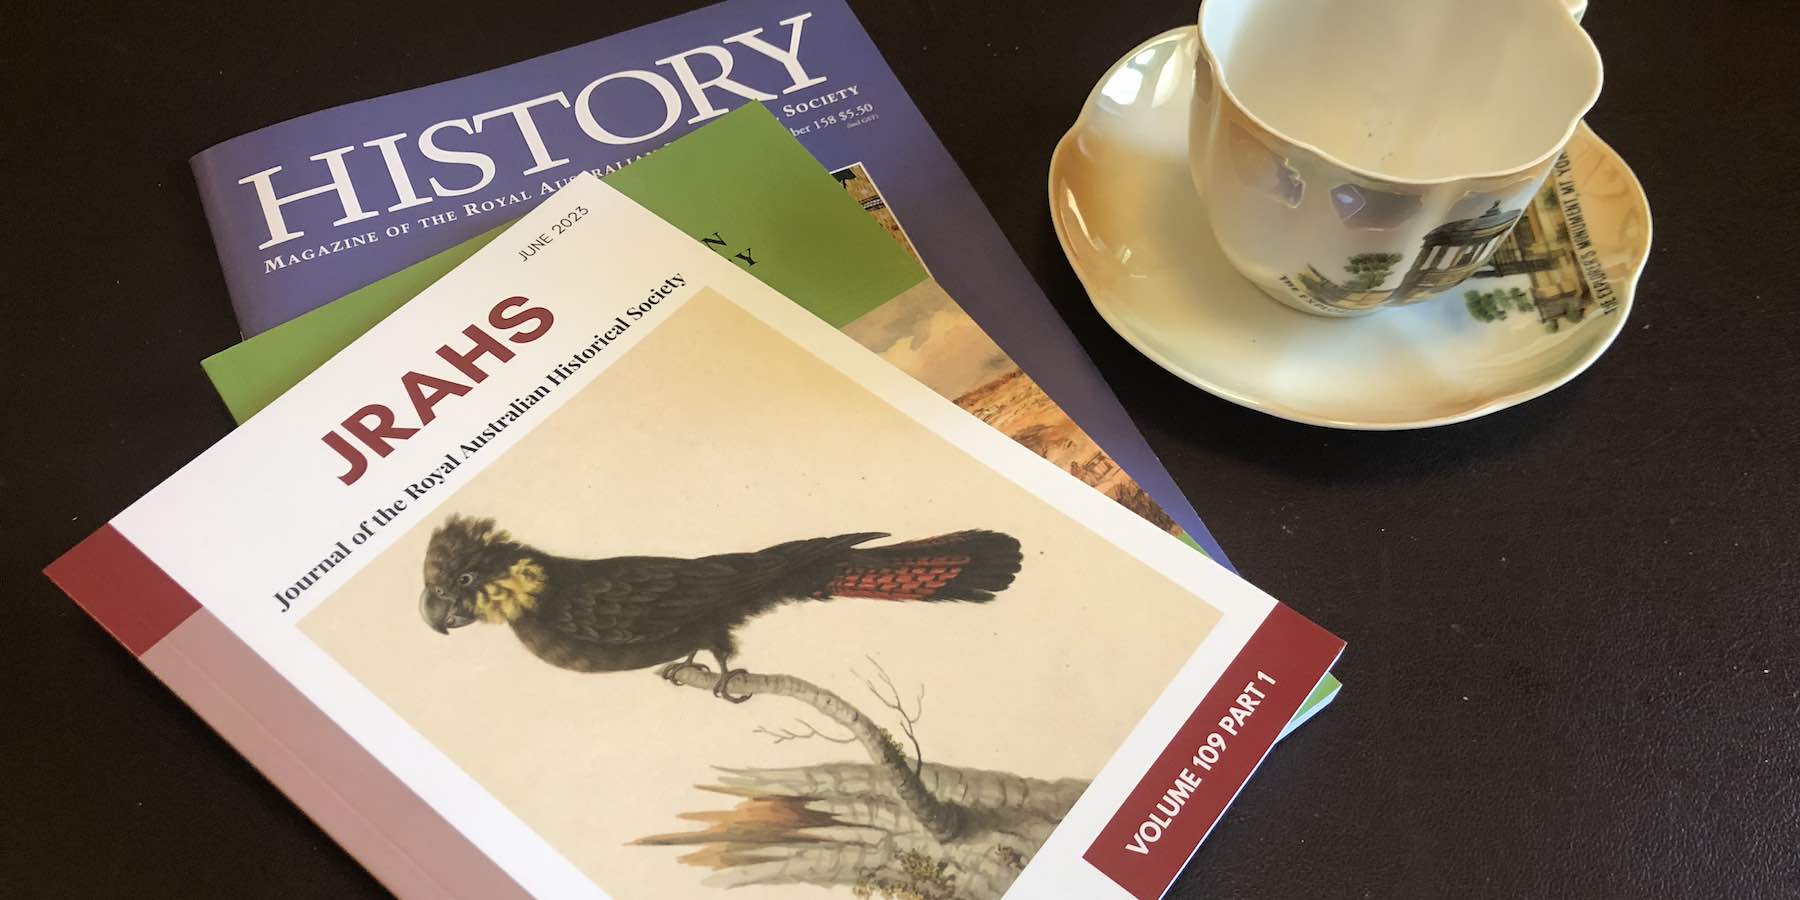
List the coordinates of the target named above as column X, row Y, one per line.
column 509, row 596
column 913, row 579
column 967, row 565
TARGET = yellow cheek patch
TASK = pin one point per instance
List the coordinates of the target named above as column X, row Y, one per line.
column 508, row 597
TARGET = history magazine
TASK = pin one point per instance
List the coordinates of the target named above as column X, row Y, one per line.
column 311, row 209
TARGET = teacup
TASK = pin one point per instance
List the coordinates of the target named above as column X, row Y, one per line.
column 1358, row 154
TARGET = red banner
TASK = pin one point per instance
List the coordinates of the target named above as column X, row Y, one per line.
column 122, row 589
column 1186, row 790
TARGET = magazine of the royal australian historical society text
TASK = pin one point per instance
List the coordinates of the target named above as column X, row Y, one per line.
column 606, row 570
column 308, row 210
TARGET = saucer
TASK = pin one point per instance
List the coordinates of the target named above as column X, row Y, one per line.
column 1551, row 300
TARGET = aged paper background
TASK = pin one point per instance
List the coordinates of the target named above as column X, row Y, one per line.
column 717, row 434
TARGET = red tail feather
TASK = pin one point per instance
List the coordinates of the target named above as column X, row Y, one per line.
column 911, row 579
column 966, row 565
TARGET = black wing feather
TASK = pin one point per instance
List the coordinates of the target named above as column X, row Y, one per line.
column 639, row 599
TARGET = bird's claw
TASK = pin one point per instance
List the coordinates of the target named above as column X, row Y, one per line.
column 670, row 671
column 721, row 691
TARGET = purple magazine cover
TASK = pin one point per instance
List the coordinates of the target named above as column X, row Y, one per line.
column 313, row 208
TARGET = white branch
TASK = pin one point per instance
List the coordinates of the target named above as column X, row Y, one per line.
column 782, row 736
column 907, row 720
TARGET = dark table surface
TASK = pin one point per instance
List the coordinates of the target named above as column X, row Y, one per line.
column 1574, row 663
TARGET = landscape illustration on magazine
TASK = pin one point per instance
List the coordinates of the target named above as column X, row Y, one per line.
column 928, row 336
column 649, row 581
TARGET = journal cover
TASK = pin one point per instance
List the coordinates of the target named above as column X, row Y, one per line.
column 606, row 570
column 311, row 209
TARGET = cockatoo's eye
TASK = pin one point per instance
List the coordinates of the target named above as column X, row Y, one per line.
column 466, row 579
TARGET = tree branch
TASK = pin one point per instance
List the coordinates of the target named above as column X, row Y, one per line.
column 943, row 820
column 784, row 735
column 907, row 720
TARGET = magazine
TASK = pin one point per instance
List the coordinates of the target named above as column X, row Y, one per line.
column 308, row 210
column 607, row 570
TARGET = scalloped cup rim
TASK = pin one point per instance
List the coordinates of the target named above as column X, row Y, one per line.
column 1567, row 15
